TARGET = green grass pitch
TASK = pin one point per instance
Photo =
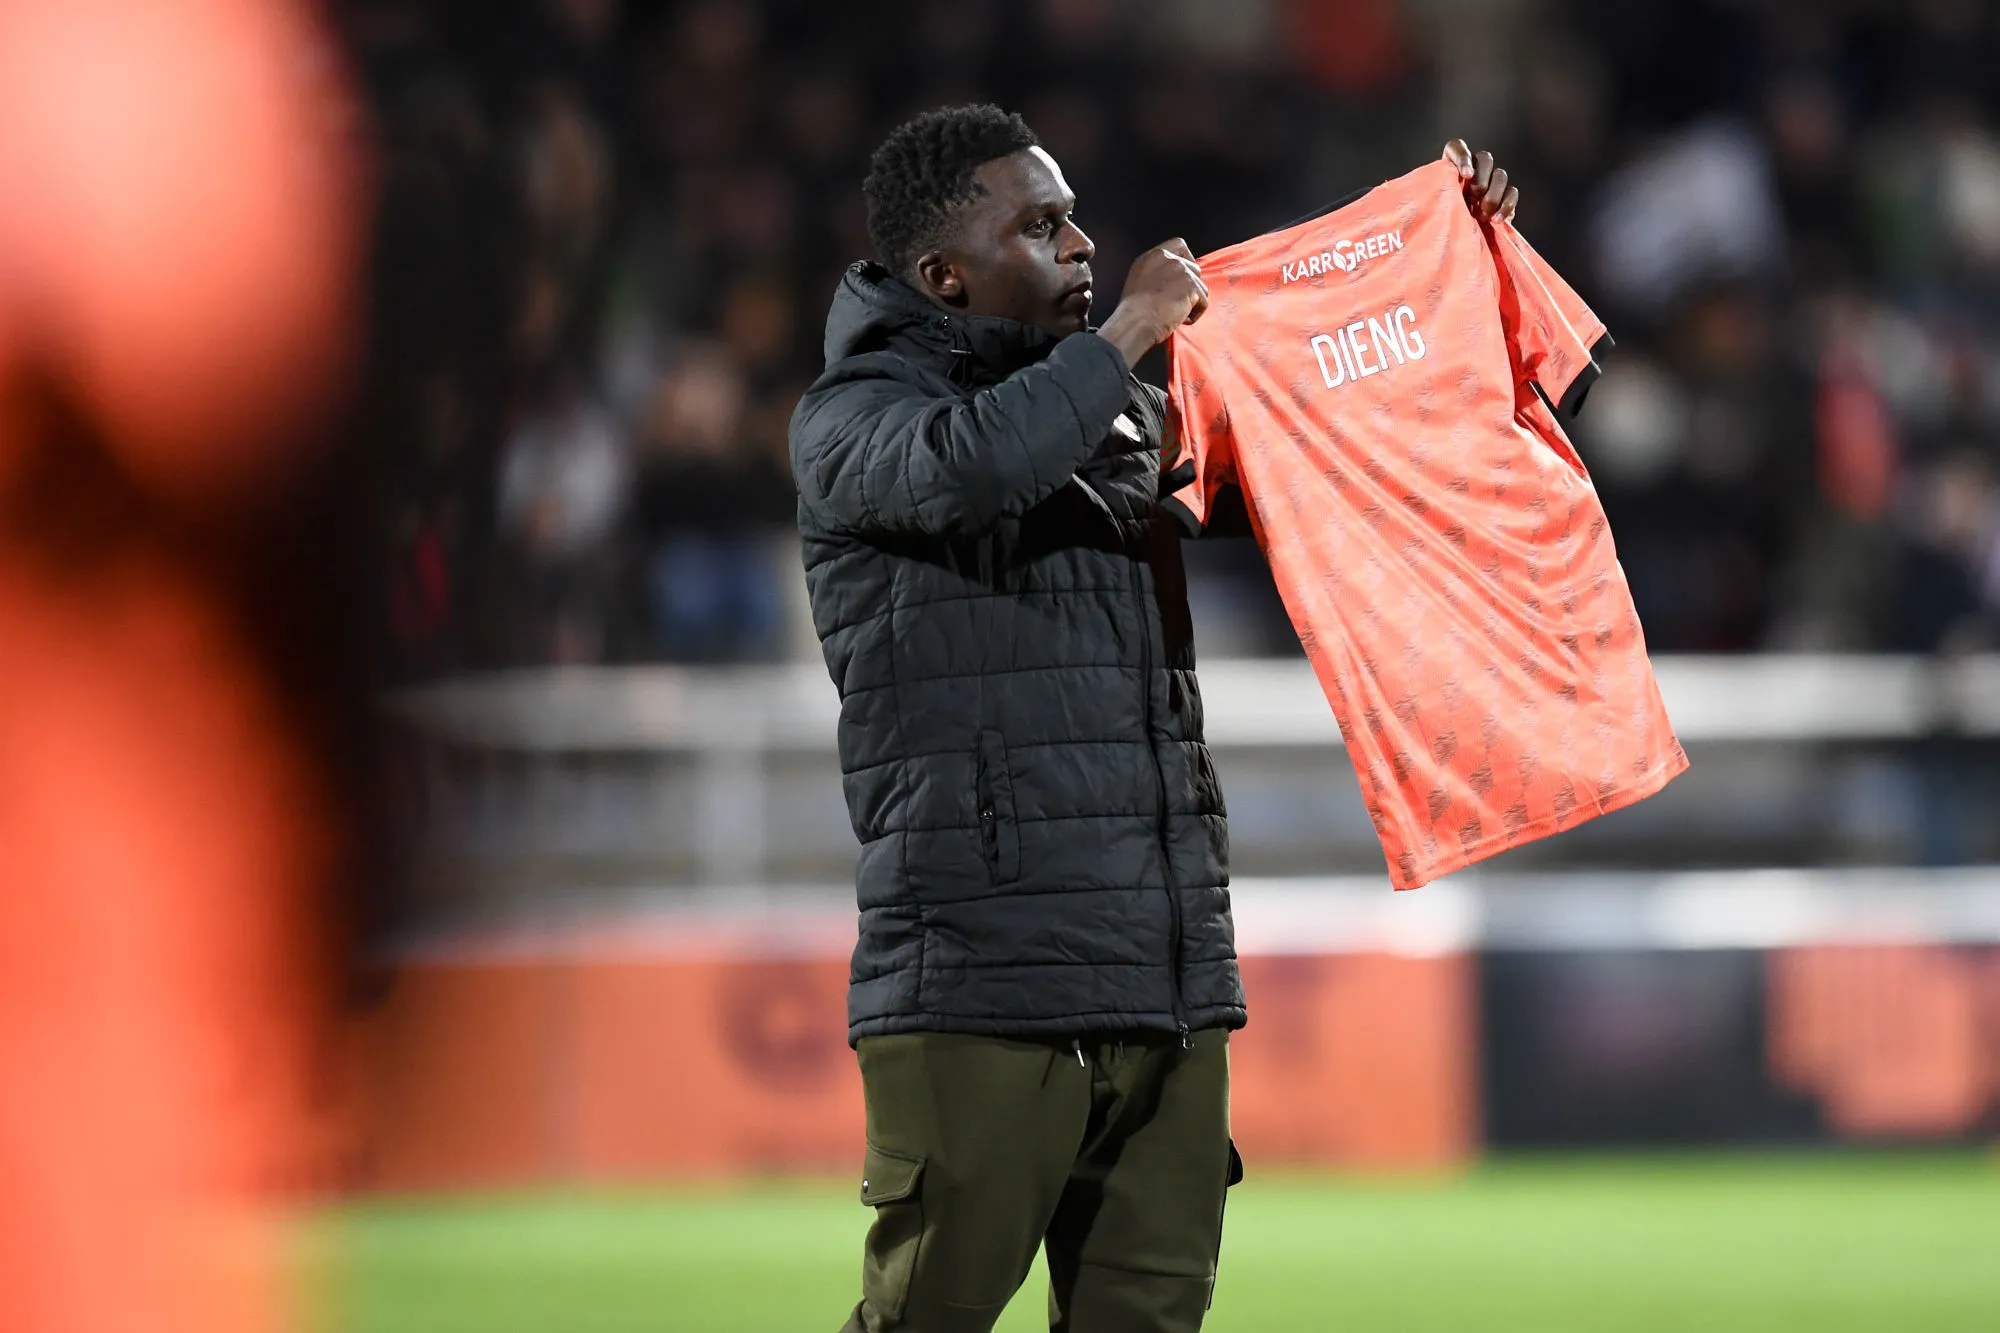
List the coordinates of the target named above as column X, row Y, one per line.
column 1819, row 1244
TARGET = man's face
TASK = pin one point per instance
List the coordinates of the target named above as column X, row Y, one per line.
column 1014, row 252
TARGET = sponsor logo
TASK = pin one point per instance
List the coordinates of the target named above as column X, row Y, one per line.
column 1345, row 256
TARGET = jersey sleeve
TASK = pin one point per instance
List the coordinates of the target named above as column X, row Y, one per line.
column 1558, row 342
column 1203, row 457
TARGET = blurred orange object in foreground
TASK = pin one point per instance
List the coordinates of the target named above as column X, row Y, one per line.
column 177, row 235
column 177, row 226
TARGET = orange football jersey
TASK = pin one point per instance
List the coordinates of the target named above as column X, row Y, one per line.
column 1382, row 383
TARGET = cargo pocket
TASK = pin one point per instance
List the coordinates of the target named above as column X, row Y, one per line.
column 1233, row 1175
column 999, row 836
column 889, row 1185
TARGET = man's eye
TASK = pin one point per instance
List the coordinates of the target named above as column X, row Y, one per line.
column 1040, row 227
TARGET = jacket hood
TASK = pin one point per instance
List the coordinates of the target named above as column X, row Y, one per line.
column 873, row 310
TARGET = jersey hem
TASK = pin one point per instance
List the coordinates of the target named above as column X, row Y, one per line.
column 1573, row 396
column 1656, row 778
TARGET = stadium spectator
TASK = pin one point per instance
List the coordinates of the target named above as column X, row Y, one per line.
column 565, row 480
column 603, row 183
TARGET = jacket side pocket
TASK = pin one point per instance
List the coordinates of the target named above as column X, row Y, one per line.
column 999, row 835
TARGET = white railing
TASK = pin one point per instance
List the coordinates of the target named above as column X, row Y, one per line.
column 1796, row 697
column 1474, row 909
column 728, row 719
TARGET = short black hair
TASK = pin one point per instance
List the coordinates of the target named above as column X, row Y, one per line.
column 923, row 172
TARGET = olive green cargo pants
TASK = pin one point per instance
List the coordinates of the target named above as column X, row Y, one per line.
column 1115, row 1153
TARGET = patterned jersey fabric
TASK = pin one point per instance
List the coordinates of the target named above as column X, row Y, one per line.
column 1383, row 384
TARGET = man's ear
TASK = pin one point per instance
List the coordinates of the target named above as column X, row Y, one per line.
column 938, row 278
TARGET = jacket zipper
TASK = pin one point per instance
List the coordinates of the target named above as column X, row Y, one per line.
column 1160, row 811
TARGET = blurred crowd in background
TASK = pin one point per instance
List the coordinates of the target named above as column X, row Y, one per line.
column 609, row 231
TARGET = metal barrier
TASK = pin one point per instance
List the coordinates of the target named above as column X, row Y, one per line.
column 1801, row 732
column 1387, row 1030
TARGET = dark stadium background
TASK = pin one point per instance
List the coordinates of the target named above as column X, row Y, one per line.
column 610, row 230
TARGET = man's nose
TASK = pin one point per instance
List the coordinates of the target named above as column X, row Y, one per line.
column 1077, row 247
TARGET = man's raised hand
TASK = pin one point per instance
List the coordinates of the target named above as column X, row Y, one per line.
column 1486, row 187
column 1163, row 290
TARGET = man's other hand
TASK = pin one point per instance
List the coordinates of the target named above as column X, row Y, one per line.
column 1486, row 187
column 1163, row 290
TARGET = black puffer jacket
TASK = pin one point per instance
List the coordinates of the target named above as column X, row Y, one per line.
column 1002, row 606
